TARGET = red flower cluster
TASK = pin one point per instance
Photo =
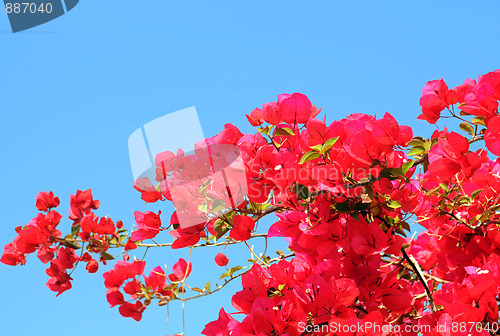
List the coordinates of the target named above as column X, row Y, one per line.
column 148, row 225
column 126, row 276
column 479, row 98
column 42, row 235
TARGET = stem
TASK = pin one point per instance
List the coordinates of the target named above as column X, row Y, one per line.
column 416, row 268
column 256, row 256
column 420, row 276
column 234, row 277
column 205, row 244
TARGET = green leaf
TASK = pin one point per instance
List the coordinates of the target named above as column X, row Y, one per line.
column 417, row 150
column 405, row 226
column 283, row 131
column 302, row 191
column 360, row 206
column 478, row 121
column 342, row 207
column 317, row 148
column 73, row 245
column 355, row 215
column 427, row 145
column 221, row 232
column 464, row 200
column 311, row 155
column 234, row 269
column 266, row 130
column 106, row 256
column 445, row 187
column 407, row 166
column 207, row 287
column 400, row 231
column 462, row 113
column 75, row 229
column 230, row 272
column 397, row 171
column 386, row 173
column 203, row 207
column 416, row 142
column 329, row 143
column 218, row 225
column 475, row 193
column 467, row 127
column 393, row 204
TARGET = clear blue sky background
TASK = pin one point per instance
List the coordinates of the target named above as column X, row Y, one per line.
column 73, row 90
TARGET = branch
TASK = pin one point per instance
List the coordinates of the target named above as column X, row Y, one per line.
column 257, row 235
column 420, row 276
column 232, row 278
column 416, row 268
column 427, row 275
column 476, row 138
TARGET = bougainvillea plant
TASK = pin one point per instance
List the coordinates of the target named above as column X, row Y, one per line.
column 345, row 195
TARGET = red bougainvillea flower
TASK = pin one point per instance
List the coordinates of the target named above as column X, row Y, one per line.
column 243, row 227
column 92, row 224
column 148, row 225
column 181, row 270
column 481, row 98
column 82, row 203
column 59, row 280
column 185, row 237
column 46, row 201
column 221, row 259
column 295, row 109
column 12, row 256
column 436, row 97
column 492, row 135
column 132, row 310
column 122, row 271
column 222, row 326
column 156, row 279
column 148, row 192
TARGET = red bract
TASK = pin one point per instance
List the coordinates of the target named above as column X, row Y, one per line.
column 436, row 97
column 59, row 279
column 221, row 259
column 295, row 109
column 492, row 135
column 156, row 279
column 148, row 225
column 90, row 224
column 148, row 193
column 480, row 99
column 46, row 201
column 181, row 270
column 82, row 203
column 12, row 256
column 221, row 327
column 243, row 227
column 132, row 310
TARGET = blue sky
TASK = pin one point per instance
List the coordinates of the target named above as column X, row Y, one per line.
column 74, row 89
